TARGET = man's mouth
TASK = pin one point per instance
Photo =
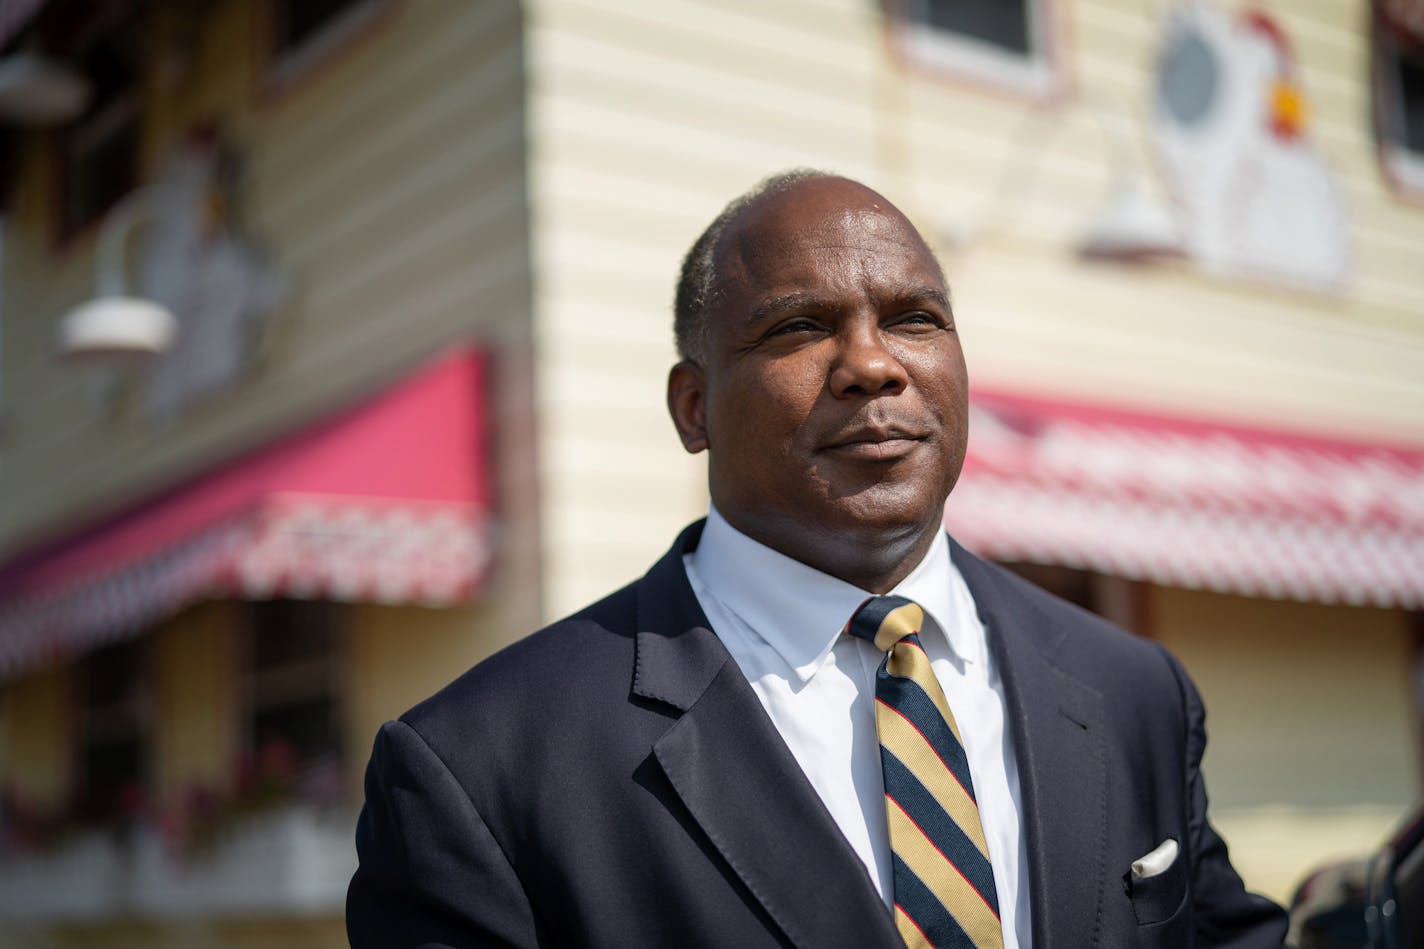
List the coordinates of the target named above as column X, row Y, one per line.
column 875, row 443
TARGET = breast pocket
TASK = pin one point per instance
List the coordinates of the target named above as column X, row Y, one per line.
column 1158, row 898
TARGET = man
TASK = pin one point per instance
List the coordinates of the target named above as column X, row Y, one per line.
column 705, row 759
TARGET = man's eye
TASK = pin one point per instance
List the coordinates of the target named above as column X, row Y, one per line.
column 793, row 326
column 921, row 319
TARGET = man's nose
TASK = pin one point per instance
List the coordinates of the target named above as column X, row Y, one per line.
column 864, row 365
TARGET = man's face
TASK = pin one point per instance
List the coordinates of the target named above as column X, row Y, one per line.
column 833, row 395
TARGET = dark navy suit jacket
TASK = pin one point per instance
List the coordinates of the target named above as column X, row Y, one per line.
column 613, row 781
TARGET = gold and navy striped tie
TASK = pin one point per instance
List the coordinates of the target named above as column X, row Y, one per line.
column 944, row 885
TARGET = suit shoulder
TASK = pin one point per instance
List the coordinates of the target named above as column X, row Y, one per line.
column 569, row 656
column 1127, row 671
column 1079, row 639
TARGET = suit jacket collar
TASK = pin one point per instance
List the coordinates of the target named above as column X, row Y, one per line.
column 1057, row 725
column 736, row 777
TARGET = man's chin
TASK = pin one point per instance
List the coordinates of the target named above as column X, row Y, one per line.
column 886, row 505
column 869, row 522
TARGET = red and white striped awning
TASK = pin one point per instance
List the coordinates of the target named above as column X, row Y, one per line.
column 385, row 503
column 1188, row 504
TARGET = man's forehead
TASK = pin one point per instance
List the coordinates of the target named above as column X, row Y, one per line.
column 818, row 205
column 793, row 227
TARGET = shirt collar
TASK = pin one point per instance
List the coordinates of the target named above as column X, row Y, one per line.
column 800, row 611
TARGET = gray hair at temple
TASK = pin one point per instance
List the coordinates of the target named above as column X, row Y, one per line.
column 697, row 284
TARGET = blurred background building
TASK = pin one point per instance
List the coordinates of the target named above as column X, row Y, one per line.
column 333, row 336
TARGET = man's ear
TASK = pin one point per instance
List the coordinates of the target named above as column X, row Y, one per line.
column 687, row 404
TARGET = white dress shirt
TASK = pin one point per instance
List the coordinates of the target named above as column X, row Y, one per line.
column 781, row 621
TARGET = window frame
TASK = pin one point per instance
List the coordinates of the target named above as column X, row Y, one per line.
column 285, row 69
column 1401, row 166
column 114, row 111
column 323, row 677
column 1041, row 76
column 90, row 717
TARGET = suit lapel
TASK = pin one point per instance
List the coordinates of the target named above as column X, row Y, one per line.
column 731, row 769
column 1056, row 723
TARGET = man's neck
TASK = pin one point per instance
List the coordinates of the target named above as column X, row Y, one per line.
column 874, row 561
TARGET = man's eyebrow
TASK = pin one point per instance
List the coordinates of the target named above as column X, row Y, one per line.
column 786, row 303
column 792, row 302
column 925, row 295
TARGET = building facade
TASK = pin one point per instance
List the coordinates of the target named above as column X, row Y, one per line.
column 421, row 256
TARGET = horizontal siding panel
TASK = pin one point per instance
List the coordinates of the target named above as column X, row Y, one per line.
column 476, row 181
column 1091, row 23
column 594, row 392
column 574, row 283
column 593, row 197
column 603, row 68
column 472, row 114
column 722, row 38
column 658, row 456
column 425, row 47
column 638, row 334
column 627, row 489
column 1300, row 373
column 1186, row 301
column 586, row 527
column 683, row 106
column 718, row 170
column 619, row 251
column 743, row 153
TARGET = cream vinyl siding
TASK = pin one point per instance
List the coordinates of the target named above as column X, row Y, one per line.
column 36, row 737
column 1312, row 753
column 388, row 184
column 195, row 737
column 646, row 116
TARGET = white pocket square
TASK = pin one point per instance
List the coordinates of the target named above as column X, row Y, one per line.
column 1156, row 862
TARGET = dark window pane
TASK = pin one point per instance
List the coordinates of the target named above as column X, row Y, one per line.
column 1411, row 85
column 297, row 21
column 101, row 175
column 113, row 780
column 287, row 631
column 113, row 675
column 299, row 732
column 100, row 151
column 1002, row 23
column 110, row 696
column 295, row 723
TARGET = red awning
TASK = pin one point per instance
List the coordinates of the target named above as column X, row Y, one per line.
column 387, row 502
column 1182, row 503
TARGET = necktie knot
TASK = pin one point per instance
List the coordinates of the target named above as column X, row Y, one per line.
column 885, row 620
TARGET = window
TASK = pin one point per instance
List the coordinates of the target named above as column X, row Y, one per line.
column 1398, row 47
column 1007, row 43
column 112, row 692
column 98, row 154
column 294, row 710
column 302, row 33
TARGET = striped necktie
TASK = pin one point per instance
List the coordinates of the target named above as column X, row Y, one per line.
column 944, row 885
